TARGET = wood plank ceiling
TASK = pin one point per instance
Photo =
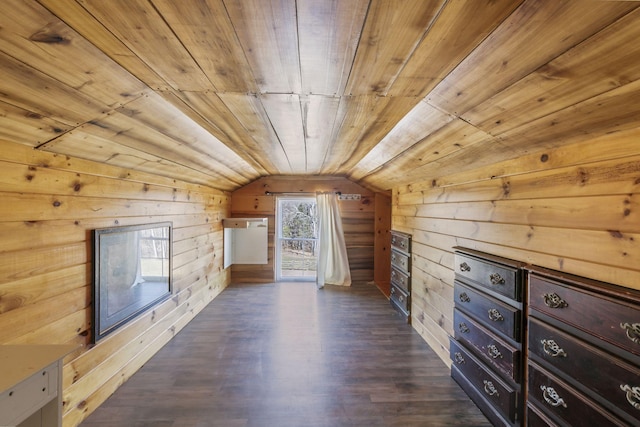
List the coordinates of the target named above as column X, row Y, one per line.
column 385, row 92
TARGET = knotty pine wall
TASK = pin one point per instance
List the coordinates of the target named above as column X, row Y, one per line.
column 49, row 206
column 357, row 219
column 574, row 209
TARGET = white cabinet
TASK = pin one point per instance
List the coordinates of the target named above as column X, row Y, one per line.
column 31, row 385
column 245, row 241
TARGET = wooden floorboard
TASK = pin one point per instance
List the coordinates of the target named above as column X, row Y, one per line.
column 289, row 355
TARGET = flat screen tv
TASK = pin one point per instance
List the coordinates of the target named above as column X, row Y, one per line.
column 132, row 273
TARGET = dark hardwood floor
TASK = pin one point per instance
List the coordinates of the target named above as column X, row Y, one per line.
column 289, row 355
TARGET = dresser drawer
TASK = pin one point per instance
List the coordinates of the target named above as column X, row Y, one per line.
column 400, row 279
column 535, row 418
column 494, row 314
column 562, row 401
column 400, row 261
column 401, row 241
column 502, row 396
column 502, row 279
column 401, row 298
column 487, row 346
column 614, row 322
column 606, row 376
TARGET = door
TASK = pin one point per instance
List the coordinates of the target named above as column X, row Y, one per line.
column 296, row 238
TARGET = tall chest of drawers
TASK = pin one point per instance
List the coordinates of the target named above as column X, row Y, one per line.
column 401, row 273
column 486, row 350
column 584, row 352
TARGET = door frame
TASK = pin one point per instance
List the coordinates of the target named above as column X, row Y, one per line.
column 278, row 237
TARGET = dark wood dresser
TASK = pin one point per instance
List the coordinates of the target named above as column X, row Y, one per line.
column 486, row 350
column 401, row 273
column 584, row 352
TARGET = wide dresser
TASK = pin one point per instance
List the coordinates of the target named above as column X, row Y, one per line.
column 583, row 352
column 487, row 348
column 401, row 274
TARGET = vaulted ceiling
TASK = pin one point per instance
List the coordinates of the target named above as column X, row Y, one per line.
column 384, row 92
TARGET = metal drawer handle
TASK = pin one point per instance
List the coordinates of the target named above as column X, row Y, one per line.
column 554, row 301
column 632, row 330
column 494, row 352
column 393, row 290
column 458, row 358
column 465, row 267
column 495, row 315
column 496, row 279
column 551, row 397
column 552, row 348
column 490, row 389
column 464, row 297
column 401, row 298
column 633, row 395
column 462, row 327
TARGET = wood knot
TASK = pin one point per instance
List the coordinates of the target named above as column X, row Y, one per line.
column 506, row 188
column 616, row 234
column 49, row 38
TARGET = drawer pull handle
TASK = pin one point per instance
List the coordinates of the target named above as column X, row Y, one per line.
column 462, row 327
column 552, row 348
column 465, row 267
column 464, row 297
column 632, row 330
column 633, row 395
column 393, row 290
column 458, row 358
column 401, row 298
column 493, row 351
column 551, row 397
column 490, row 389
column 495, row 315
column 554, row 301
column 496, row 279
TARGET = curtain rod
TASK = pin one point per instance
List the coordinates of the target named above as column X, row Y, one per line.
column 271, row 193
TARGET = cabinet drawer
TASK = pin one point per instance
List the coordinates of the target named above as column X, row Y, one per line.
column 496, row 391
column 401, row 241
column 605, row 376
column 400, row 261
column 615, row 322
column 502, row 279
column 494, row 314
column 400, row 279
column 562, row 401
column 491, row 349
column 401, row 298
column 19, row 401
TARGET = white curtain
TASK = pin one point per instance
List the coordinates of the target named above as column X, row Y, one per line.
column 333, row 265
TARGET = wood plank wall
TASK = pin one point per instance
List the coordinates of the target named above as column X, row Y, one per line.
column 574, row 209
column 49, row 206
column 357, row 219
